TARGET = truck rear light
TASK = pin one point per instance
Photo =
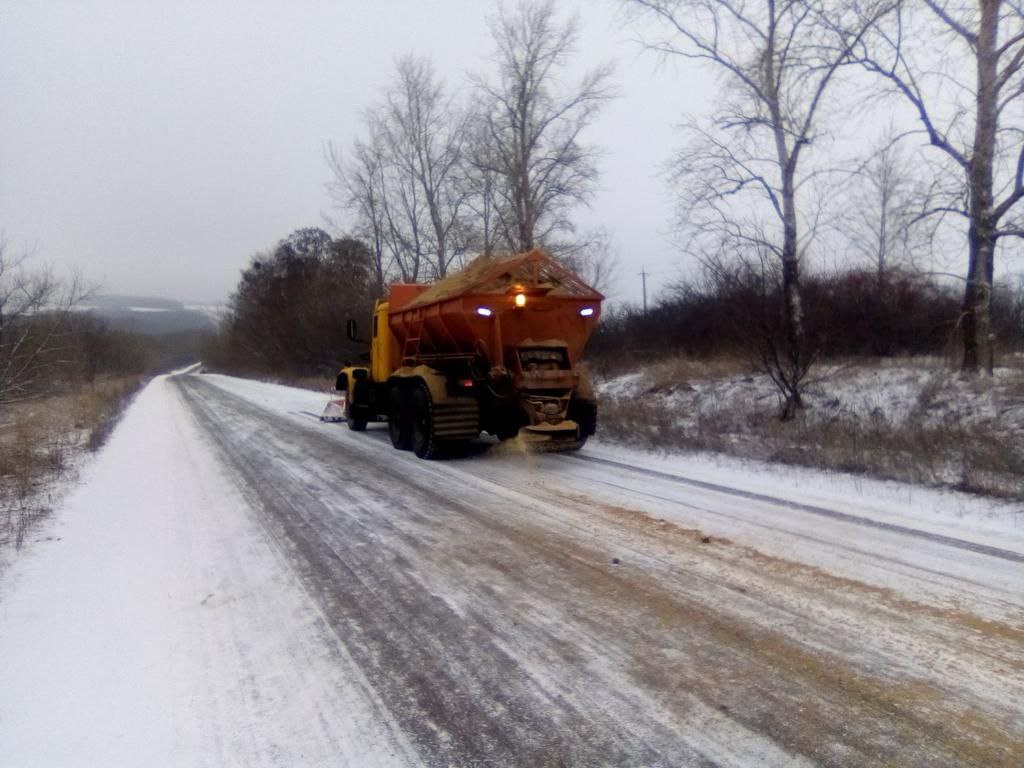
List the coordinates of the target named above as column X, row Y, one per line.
column 484, row 311
column 466, row 383
column 586, row 312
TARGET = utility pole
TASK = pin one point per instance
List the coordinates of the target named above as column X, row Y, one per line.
column 643, row 278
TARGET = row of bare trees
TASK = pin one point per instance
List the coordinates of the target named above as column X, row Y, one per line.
column 437, row 178
column 756, row 175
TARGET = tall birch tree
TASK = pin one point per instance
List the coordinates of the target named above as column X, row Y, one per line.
column 741, row 175
column 960, row 68
column 533, row 119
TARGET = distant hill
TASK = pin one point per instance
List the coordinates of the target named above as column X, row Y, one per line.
column 152, row 316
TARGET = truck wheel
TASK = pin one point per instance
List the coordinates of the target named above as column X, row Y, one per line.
column 356, row 418
column 398, row 421
column 584, row 413
column 424, row 442
column 356, row 413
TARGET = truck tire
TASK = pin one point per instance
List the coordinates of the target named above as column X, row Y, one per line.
column 424, row 439
column 398, row 419
column 356, row 418
column 584, row 413
column 357, row 414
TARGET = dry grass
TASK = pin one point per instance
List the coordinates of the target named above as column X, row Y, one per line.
column 38, row 441
column 914, row 421
column 678, row 372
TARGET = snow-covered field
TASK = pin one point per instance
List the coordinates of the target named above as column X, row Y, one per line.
column 897, row 391
column 235, row 583
column 904, row 418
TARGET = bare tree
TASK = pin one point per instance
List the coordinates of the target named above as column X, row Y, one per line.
column 34, row 329
column 432, row 181
column 883, row 207
column 423, row 136
column 404, row 181
column 387, row 204
column 533, row 123
column 488, row 229
column 972, row 118
column 750, row 313
column 358, row 187
column 740, row 177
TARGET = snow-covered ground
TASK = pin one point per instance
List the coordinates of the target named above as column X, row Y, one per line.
column 236, row 583
column 907, row 418
column 896, row 391
column 155, row 625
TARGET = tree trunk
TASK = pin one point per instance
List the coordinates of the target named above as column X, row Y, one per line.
column 977, row 305
column 977, row 316
column 793, row 322
column 525, row 213
column 792, row 304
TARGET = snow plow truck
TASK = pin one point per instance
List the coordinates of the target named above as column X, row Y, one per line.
column 494, row 348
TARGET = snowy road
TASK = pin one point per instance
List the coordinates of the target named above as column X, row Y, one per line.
column 239, row 584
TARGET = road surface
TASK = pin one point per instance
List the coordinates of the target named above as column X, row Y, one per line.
column 236, row 583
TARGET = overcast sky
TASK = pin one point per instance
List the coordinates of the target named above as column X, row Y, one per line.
column 158, row 145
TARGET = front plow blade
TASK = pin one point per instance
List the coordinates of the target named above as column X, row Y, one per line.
column 335, row 411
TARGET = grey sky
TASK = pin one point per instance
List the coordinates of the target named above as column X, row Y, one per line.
column 157, row 145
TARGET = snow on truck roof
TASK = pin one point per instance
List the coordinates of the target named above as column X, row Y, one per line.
column 533, row 270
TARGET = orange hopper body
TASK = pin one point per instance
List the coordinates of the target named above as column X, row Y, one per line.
column 475, row 312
